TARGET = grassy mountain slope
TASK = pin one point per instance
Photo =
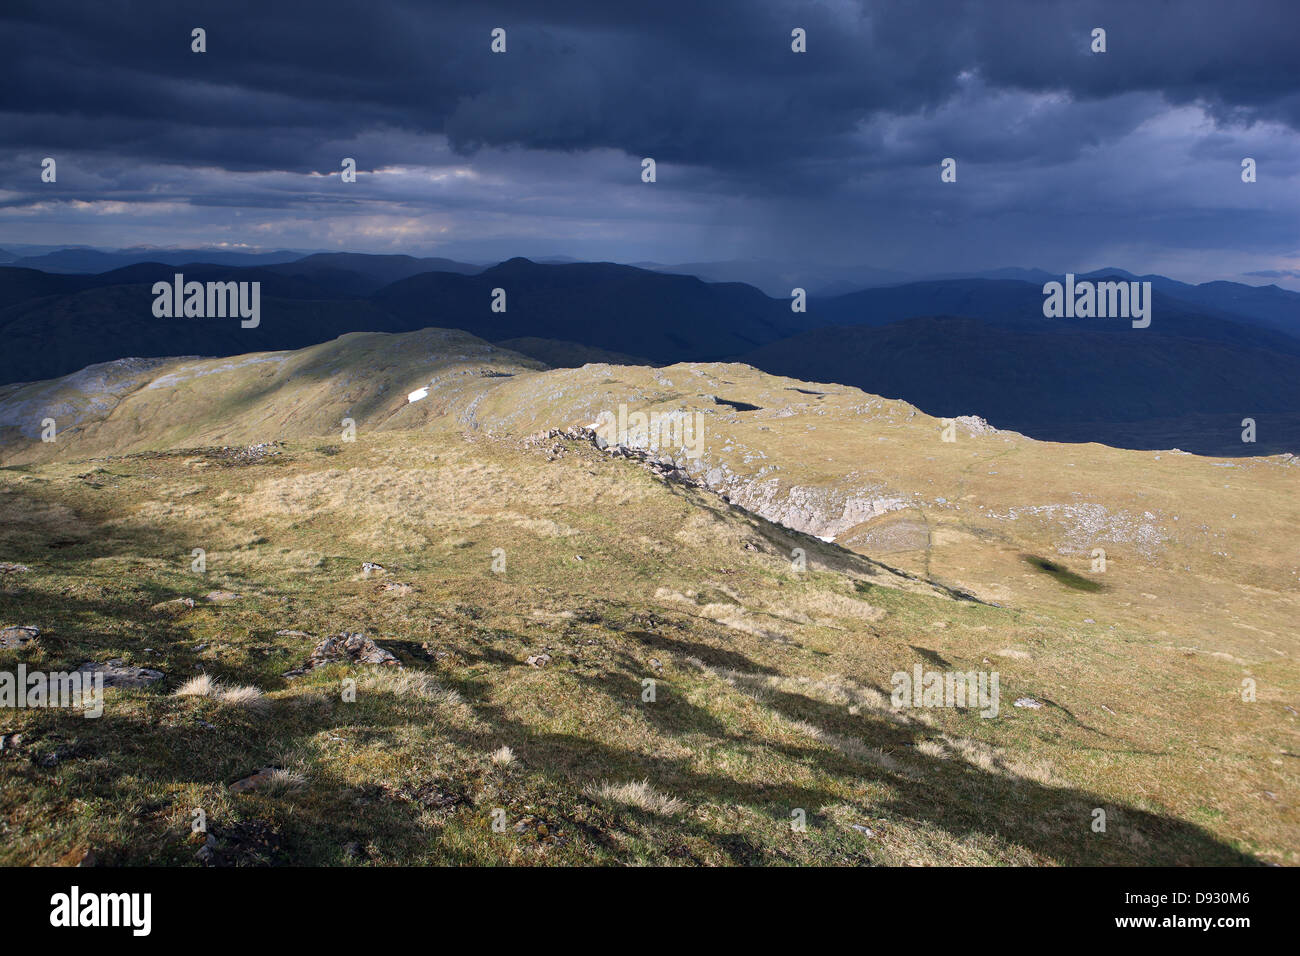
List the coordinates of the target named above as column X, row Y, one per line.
column 771, row 683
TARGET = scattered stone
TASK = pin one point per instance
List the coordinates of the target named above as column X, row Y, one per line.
column 1028, row 702
column 395, row 587
column 10, row 742
column 540, row 830
column 174, row 606
column 7, row 567
column 118, row 674
column 221, row 597
column 369, row 567
column 539, row 660
column 431, row 797
column 861, row 829
column 346, row 648
column 230, row 456
column 12, row 638
column 578, row 557
column 656, row 664
column 251, row 843
column 253, row 781
column 288, row 633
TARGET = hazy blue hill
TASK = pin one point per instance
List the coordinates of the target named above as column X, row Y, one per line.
column 664, row 317
column 93, row 261
column 50, row 337
column 273, row 283
column 22, row 285
column 1187, row 380
column 359, row 274
column 1011, row 303
column 1047, row 381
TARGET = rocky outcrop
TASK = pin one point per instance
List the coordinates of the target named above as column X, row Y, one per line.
column 345, row 649
column 823, row 512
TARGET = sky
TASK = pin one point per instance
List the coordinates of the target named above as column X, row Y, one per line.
column 1066, row 159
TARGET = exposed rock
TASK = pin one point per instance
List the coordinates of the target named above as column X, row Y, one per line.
column 440, row 799
column 174, row 606
column 346, row 648
column 396, row 587
column 253, row 781
column 18, row 636
column 539, row 832
column 118, row 674
column 250, row 843
column 974, row 426
column 538, row 660
column 662, row 465
column 7, row 567
column 286, row 632
column 1028, row 702
column 232, row 456
column 369, row 567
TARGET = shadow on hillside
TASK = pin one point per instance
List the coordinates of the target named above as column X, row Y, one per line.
column 946, row 797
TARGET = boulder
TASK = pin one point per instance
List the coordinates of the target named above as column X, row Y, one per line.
column 346, row 649
column 174, row 606
column 12, row 638
column 118, row 674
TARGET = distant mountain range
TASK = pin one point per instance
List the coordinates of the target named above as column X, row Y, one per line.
column 1214, row 354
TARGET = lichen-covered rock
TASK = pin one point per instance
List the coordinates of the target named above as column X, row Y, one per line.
column 346, row 649
column 12, row 638
column 174, row 606
column 118, row 674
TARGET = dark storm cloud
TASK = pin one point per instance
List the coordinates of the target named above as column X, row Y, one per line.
column 709, row 84
column 1124, row 159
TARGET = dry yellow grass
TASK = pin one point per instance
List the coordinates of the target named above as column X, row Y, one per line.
column 676, row 642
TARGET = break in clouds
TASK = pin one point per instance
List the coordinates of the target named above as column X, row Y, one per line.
column 1067, row 159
